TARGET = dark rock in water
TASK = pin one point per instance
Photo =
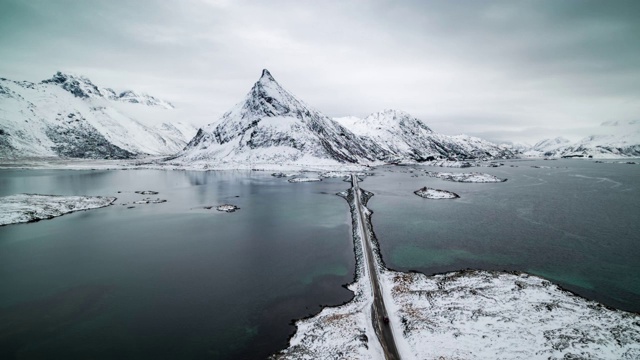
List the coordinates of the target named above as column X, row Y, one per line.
column 227, row 208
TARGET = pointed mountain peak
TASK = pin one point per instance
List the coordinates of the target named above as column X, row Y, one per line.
column 268, row 98
column 266, row 76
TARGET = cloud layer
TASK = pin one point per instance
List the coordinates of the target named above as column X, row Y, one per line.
column 504, row 70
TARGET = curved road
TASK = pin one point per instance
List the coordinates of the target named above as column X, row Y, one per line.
column 378, row 310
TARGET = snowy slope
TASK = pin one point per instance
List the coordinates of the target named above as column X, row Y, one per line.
column 613, row 140
column 405, row 137
column 617, row 139
column 547, row 147
column 272, row 126
column 69, row 116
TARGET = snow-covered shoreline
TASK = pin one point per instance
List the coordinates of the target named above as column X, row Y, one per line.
column 343, row 331
column 22, row 208
column 469, row 314
column 473, row 177
column 497, row 315
column 161, row 163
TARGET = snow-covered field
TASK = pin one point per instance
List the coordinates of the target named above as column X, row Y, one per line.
column 430, row 193
column 497, row 315
column 31, row 207
column 473, row 177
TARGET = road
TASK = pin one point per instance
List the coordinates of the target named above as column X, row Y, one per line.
column 378, row 310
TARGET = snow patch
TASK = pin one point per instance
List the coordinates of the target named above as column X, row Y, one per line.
column 22, row 208
column 227, row 208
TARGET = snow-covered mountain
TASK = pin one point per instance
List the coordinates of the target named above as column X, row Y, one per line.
column 273, row 126
column 548, row 147
column 405, row 137
column 614, row 140
column 69, row 116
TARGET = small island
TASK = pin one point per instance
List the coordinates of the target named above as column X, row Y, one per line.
column 436, row 194
column 150, row 201
column 227, row 208
column 304, row 179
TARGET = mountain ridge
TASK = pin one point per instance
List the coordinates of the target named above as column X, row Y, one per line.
column 273, row 125
column 69, row 116
column 616, row 139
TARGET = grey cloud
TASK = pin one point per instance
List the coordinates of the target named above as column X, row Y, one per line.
column 470, row 66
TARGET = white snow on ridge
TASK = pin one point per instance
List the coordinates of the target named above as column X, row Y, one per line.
column 611, row 140
column 273, row 126
column 405, row 138
column 32, row 207
column 68, row 116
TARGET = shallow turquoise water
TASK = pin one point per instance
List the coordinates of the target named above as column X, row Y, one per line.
column 576, row 225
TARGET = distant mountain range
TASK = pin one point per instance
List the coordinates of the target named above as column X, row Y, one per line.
column 69, row 116
column 273, row 126
column 616, row 139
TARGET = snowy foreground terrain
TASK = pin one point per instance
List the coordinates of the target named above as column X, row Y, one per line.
column 494, row 315
column 31, row 207
column 463, row 315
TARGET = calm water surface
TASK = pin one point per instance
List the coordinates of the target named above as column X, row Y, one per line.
column 174, row 280
column 577, row 224
column 170, row 280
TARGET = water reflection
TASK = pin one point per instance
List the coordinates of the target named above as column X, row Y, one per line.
column 188, row 282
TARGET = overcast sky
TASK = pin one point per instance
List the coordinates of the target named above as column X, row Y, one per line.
column 512, row 70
